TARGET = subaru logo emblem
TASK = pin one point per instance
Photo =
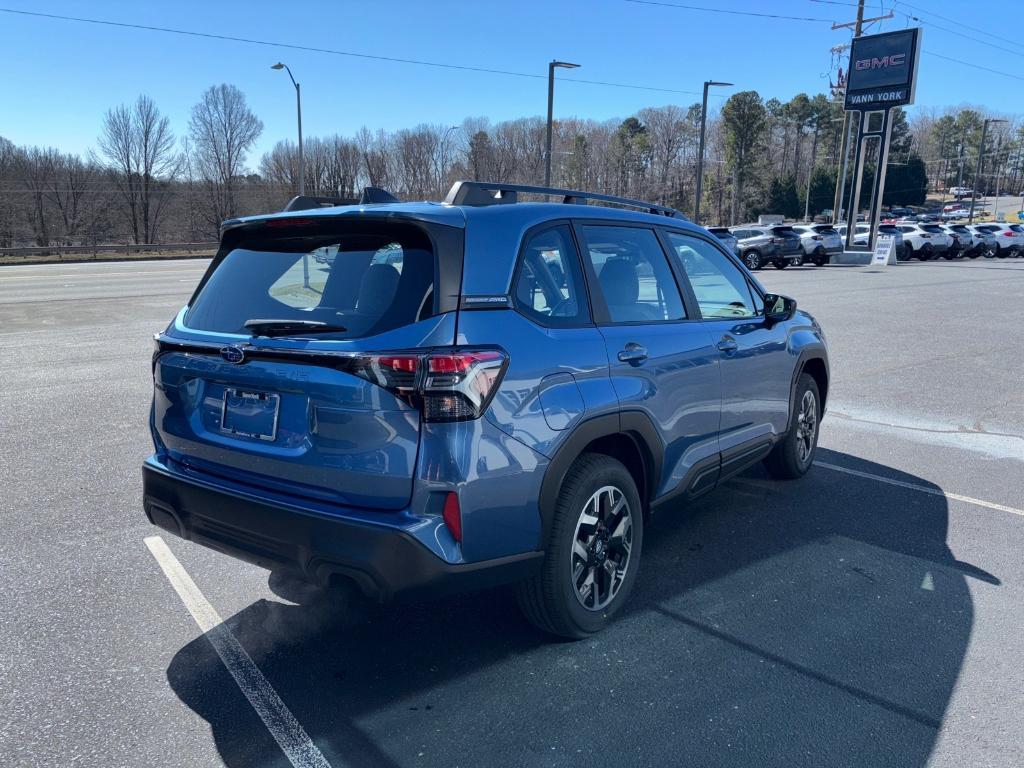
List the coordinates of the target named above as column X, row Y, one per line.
column 232, row 354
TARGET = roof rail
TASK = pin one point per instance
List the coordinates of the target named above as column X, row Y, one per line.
column 478, row 193
column 369, row 195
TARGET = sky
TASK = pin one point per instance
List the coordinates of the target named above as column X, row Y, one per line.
column 59, row 77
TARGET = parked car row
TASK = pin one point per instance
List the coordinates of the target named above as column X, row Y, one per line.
column 783, row 244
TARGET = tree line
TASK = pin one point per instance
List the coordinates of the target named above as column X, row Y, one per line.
column 144, row 183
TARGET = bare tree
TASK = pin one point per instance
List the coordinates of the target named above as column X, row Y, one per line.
column 223, row 130
column 34, row 167
column 139, row 146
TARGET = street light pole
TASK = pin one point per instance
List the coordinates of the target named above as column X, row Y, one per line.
column 552, row 66
column 981, row 157
column 700, row 149
column 298, row 109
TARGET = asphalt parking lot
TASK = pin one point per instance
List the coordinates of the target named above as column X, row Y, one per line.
column 870, row 614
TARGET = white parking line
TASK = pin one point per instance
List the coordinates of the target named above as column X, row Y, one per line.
column 923, row 489
column 286, row 730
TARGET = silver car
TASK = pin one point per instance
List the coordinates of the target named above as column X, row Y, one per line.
column 819, row 242
column 727, row 238
column 860, row 236
column 984, row 240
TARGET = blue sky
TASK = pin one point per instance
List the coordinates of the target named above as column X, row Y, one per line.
column 60, row 76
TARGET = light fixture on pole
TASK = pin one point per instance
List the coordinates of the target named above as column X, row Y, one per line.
column 552, row 66
column 298, row 108
column 981, row 157
column 700, row 150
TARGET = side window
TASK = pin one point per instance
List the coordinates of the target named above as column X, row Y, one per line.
column 549, row 288
column 721, row 289
column 633, row 276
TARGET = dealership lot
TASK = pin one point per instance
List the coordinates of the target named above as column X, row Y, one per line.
column 869, row 614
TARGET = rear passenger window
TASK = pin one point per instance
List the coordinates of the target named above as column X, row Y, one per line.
column 633, row 275
column 549, row 288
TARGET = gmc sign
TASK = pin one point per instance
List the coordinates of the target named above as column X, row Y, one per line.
column 882, row 70
column 895, row 60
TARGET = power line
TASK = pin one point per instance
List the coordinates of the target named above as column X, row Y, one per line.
column 335, row 52
column 729, row 12
column 987, row 43
column 976, row 66
column 944, row 18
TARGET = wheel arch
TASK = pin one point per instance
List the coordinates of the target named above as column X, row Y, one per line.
column 629, row 437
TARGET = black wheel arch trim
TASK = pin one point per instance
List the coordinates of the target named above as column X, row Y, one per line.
column 807, row 353
column 635, row 425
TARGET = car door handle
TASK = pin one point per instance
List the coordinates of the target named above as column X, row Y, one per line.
column 727, row 344
column 633, row 353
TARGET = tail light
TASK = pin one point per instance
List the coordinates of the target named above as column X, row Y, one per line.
column 1008, row 233
column 454, row 385
column 817, row 237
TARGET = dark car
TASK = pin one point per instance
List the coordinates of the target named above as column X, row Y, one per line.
column 776, row 244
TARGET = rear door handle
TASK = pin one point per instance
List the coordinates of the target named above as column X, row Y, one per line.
column 727, row 344
column 633, row 353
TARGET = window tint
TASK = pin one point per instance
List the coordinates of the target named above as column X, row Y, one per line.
column 370, row 280
column 633, row 275
column 721, row 289
column 549, row 286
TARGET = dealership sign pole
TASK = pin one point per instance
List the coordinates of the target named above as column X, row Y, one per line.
column 883, row 76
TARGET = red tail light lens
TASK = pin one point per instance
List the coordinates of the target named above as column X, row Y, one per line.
column 1008, row 234
column 452, row 515
column 455, row 385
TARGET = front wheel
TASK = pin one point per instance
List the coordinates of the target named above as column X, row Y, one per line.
column 792, row 456
column 780, row 263
column 592, row 554
column 752, row 260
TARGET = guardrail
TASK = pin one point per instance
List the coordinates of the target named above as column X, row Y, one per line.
column 84, row 252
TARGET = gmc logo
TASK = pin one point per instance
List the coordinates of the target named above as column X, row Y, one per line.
column 894, row 60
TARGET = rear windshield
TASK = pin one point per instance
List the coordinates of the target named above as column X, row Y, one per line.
column 368, row 279
column 784, row 232
column 931, row 228
column 1017, row 228
column 825, row 230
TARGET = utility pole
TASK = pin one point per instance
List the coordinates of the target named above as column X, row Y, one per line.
column 858, row 29
column 981, row 157
column 960, row 158
column 847, row 130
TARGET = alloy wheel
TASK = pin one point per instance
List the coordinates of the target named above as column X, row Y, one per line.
column 806, row 427
column 601, row 545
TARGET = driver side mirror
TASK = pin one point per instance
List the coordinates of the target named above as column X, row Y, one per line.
column 778, row 308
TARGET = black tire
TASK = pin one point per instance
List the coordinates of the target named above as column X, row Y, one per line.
column 780, row 263
column 551, row 599
column 752, row 260
column 927, row 253
column 1001, row 253
column 793, row 455
column 908, row 252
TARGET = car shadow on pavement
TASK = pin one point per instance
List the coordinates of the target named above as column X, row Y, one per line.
column 817, row 622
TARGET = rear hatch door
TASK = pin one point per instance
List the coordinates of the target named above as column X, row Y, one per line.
column 285, row 371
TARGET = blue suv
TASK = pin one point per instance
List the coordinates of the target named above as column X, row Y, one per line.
column 430, row 397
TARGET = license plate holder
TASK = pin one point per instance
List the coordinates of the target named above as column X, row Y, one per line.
column 247, row 413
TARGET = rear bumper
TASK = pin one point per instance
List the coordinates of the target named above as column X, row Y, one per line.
column 384, row 561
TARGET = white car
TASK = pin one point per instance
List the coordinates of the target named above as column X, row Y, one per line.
column 820, row 241
column 924, row 241
column 1009, row 237
column 860, row 236
column 961, row 191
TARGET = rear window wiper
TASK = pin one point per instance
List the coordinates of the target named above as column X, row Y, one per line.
column 290, row 327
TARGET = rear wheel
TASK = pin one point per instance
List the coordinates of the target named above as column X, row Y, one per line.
column 752, row 260
column 908, row 252
column 819, row 258
column 592, row 554
column 1001, row 252
column 792, row 456
column 780, row 263
column 926, row 253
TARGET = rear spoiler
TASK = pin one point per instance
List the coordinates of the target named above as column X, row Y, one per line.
column 370, row 195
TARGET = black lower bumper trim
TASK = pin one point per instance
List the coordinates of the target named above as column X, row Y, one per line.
column 384, row 562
